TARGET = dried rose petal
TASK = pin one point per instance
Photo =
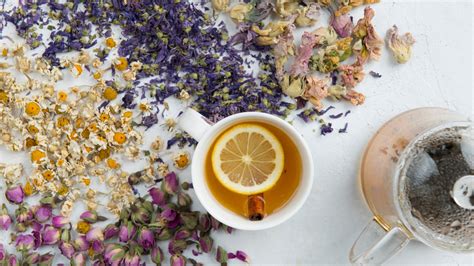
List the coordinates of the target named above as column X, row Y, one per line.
column 400, row 45
column 305, row 50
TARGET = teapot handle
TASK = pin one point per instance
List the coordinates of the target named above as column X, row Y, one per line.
column 376, row 245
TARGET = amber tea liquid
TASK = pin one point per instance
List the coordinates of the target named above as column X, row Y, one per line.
column 278, row 195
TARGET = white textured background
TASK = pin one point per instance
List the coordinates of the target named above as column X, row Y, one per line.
column 440, row 73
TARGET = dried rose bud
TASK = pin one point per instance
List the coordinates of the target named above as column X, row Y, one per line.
column 127, row 232
column 400, row 45
column 95, row 234
column 43, row 213
column 146, row 239
column 177, row 260
column 114, row 253
column 170, row 183
column 50, row 235
column 220, row 5
column 46, row 259
column 205, row 243
column 78, row 259
column 189, row 219
column 31, row 259
column 15, row 194
column 81, row 244
column 12, row 261
column 131, row 260
column 5, row 219
column 59, row 221
column 182, row 234
column 2, row 252
column 221, row 255
column 164, row 234
column 98, row 246
column 177, row 246
column 92, row 217
column 215, row 224
column 157, row 255
column 110, row 231
column 157, row 196
column 24, row 242
column 242, row 256
column 141, row 216
column 65, row 235
column 184, row 200
column 67, row 249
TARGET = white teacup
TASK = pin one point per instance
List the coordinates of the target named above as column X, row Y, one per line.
column 205, row 133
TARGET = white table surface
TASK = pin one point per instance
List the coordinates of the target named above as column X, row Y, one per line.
column 440, row 73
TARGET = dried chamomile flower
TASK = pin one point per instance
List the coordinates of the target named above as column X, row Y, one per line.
column 184, row 95
column 76, row 69
column 400, row 45
column 220, row 5
column 84, row 57
column 181, row 160
column 238, row 12
column 23, row 64
column 286, row 8
column 315, row 90
column 308, row 15
column 163, row 169
column 292, row 86
column 157, row 144
column 11, row 172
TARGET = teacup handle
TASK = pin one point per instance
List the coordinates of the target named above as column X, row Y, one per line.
column 194, row 123
column 376, row 245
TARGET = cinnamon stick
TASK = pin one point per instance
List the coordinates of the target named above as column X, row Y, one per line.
column 256, row 207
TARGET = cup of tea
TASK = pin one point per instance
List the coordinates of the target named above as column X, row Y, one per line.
column 251, row 170
column 416, row 176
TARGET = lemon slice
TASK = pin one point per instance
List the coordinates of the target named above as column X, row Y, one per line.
column 248, row 159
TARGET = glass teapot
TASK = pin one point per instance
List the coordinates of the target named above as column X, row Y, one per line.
column 417, row 178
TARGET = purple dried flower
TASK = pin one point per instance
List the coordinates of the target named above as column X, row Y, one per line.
column 170, row 183
column 78, row 259
column 326, row 129
column 114, row 254
column 157, row 196
column 177, row 246
column 81, row 244
column 344, row 129
column 95, row 234
column 43, row 213
column 375, row 74
column 50, row 235
column 177, row 260
column 157, row 255
column 12, row 261
column 98, row 246
column 336, row 116
column 182, row 234
column 110, row 231
column 67, row 249
column 205, row 243
column 24, row 242
column 59, row 221
column 146, row 239
column 127, row 232
column 2, row 252
column 240, row 255
column 5, row 219
column 15, row 194
column 89, row 216
column 131, row 260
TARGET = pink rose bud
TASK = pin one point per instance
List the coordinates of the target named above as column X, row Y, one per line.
column 146, row 239
column 24, row 242
column 59, row 221
column 67, row 249
column 50, row 235
column 15, row 194
column 81, row 244
column 158, row 197
column 170, row 184
column 110, row 231
column 78, row 259
column 127, row 232
column 177, row 260
column 43, row 213
column 95, row 234
column 2, row 252
column 157, row 255
column 5, row 219
column 114, row 254
column 132, row 260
